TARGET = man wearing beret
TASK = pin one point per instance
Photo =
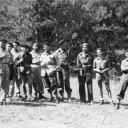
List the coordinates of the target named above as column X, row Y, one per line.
column 63, row 73
column 85, row 64
column 23, row 61
column 15, row 52
column 48, row 72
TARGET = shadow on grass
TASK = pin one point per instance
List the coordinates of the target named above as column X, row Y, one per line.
column 32, row 104
column 125, row 105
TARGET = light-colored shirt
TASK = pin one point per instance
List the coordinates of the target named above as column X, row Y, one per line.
column 15, row 53
column 48, row 62
column 100, row 63
column 35, row 57
column 62, row 58
column 124, row 64
column 4, row 56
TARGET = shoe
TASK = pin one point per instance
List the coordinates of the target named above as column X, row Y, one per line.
column 30, row 98
column 56, row 101
column 22, row 97
column 69, row 100
column 41, row 96
column 3, row 103
column 101, row 102
column 111, row 102
column 8, row 100
column 117, row 106
column 51, row 99
column 91, row 103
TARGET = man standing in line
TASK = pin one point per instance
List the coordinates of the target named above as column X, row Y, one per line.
column 9, row 47
column 101, row 66
column 15, row 52
column 4, row 76
column 36, row 70
column 85, row 63
column 123, row 81
column 23, row 61
column 48, row 72
column 63, row 72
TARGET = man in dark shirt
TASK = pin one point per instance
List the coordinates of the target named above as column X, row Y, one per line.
column 24, row 61
column 63, row 73
column 85, row 62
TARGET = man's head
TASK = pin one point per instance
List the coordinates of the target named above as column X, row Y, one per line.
column 3, row 44
column 9, row 47
column 46, row 47
column 85, row 47
column 16, row 45
column 100, row 52
column 24, row 48
column 35, row 46
column 126, row 53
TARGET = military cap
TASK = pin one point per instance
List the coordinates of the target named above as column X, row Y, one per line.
column 46, row 43
column 84, row 44
column 36, row 44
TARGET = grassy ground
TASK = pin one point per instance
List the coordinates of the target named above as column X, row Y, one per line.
column 23, row 114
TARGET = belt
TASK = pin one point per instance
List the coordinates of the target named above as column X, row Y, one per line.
column 34, row 64
column 5, row 63
column 125, row 72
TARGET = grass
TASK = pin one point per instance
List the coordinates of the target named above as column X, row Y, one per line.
column 24, row 114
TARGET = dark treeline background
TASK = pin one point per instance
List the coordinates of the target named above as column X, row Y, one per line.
column 101, row 23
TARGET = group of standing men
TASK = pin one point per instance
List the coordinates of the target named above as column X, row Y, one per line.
column 29, row 70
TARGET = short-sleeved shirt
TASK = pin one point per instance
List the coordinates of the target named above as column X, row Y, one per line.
column 83, row 60
column 35, row 57
column 48, row 62
column 100, row 63
column 63, row 59
column 15, row 53
column 124, row 64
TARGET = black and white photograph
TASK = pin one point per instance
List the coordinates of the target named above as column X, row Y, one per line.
column 63, row 63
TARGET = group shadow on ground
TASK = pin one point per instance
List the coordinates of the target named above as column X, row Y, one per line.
column 45, row 103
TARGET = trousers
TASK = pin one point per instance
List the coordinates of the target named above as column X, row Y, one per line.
column 88, row 80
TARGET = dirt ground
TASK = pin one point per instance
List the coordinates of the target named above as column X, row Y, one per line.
column 23, row 114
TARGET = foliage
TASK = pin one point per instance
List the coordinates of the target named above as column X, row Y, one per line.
column 101, row 23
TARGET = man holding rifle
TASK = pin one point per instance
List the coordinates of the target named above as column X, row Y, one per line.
column 84, row 63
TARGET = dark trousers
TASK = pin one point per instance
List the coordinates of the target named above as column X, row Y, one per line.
column 63, row 79
column 124, row 84
column 88, row 80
